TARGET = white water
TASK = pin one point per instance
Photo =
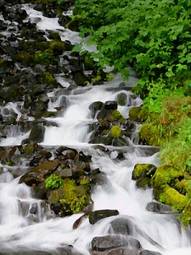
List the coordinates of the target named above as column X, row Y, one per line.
column 22, row 231
column 118, row 193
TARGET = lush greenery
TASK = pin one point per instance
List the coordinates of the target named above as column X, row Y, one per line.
column 154, row 38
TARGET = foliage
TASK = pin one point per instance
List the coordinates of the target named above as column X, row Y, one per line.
column 177, row 150
column 133, row 32
column 53, row 182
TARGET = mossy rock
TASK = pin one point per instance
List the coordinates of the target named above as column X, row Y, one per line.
column 117, row 116
column 44, row 57
column 186, row 214
column 166, row 175
column 143, row 173
column 115, row 131
column 24, row 57
column 48, row 78
column 57, row 47
column 137, row 114
column 72, row 198
column 122, row 99
column 173, row 198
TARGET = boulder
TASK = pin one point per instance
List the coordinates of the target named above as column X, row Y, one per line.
column 121, row 99
column 101, row 214
column 158, row 208
column 37, row 133
column 95, row 107
column 123, row 251
column 104, row 243
column 122, row 226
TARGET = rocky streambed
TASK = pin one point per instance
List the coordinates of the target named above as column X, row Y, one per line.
column 69, row 152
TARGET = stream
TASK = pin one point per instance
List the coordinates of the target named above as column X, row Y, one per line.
column 20, row 232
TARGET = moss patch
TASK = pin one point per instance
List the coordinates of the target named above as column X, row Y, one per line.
column 73, row 198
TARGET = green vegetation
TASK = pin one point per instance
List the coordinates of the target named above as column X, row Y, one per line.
column 53, row 182
column 72, row 197
column 132, row 32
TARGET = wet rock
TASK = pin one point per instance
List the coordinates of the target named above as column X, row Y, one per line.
column 101, row 214
column 121, row 99
column 34, row 208
column 110, row 105
column 123, row 226
column 147, row 252
column 95, row 107
column 158, row 208
column 104, row 243
column 66, row 153
column 80, row 78
column 37, row 134
column 123, row 251
column 143, row 173
column 38, row 174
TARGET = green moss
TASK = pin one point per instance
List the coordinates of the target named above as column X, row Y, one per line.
column 48, row 78
column 137, row 114
column 173, row 198
column 186, row 214
column 24, row 57
column 43, row 57
column 116, row 116
column 115, row 131
column 72, row 197
column 57, row 47
column 143, row 173
column 53, row 182
column 166, row 175
column 140, row 170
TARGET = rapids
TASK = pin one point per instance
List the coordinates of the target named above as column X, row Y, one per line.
column 20, row 230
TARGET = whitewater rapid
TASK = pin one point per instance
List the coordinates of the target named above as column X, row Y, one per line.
column 20, row 230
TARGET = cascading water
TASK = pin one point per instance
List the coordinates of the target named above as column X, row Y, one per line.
column 24, row 223
column 118, row 193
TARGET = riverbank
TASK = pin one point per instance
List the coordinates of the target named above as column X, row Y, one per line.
column 133, row 33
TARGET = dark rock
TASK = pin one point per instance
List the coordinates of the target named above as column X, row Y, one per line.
column 122, row 99
column 95, row 107
column 34, row 208
column 146, row 252
column 123, row 251
column 37, row 133
column 103, row 243
column 38, row 174
column 66, row 153
column 123, row 226
column 158, row 208
column 101, row 214
column 79, row 78
column 110, row 105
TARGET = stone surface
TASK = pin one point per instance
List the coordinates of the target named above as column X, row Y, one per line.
column 95, row 216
